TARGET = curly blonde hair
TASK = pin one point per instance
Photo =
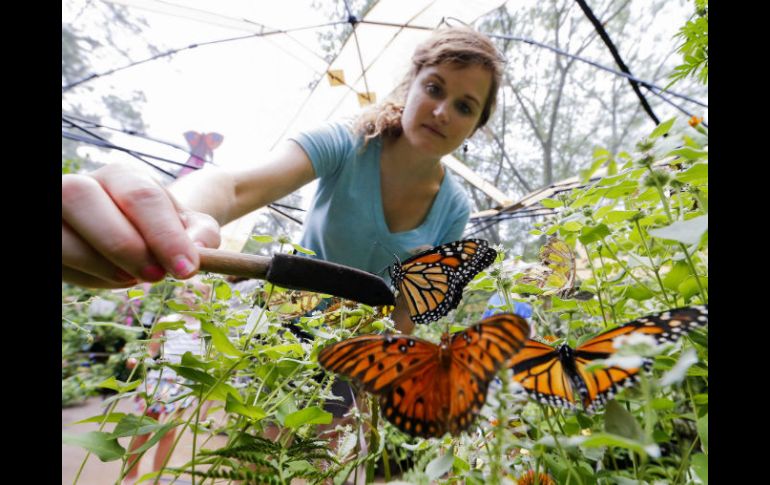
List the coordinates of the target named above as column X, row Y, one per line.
column 460, row 46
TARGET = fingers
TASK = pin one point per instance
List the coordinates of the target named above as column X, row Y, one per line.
column 120, row 226
column 91, row 213
column 152, row 212
column 83, row 266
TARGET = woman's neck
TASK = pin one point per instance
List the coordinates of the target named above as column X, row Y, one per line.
column 405, row 163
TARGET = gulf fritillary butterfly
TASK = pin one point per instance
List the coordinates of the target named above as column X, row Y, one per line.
column 427, row 389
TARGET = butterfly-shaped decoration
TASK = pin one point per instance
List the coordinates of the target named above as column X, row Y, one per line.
column 553, row 375
column 556, row 273
column 432, row 281
column 202, row 146
column 426, row 389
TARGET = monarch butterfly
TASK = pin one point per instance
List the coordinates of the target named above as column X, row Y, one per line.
column 433, row 280
column 427, row 389
column 552, row 375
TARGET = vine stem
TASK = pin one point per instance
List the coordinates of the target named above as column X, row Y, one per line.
column 655, row 268
column 664, row 200
column 558, row 445
column 598, row 285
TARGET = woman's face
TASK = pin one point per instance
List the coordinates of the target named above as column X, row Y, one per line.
column 443, row 106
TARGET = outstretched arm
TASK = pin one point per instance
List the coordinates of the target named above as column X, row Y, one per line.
column 120, row 226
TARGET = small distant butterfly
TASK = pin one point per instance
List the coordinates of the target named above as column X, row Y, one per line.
column 433, row 280
column 556, row 273
column 554, row 375
column 427, row 389
column 292, row 303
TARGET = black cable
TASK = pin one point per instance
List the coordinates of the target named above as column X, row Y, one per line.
column 137, row 134
column 106, row 144
column 687, row 113
column 192, row 46
column 292, row 218
column 130, row 152
column 289, row 207
column 616, row 55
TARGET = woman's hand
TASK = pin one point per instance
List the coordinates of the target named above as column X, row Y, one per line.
column 120, row 227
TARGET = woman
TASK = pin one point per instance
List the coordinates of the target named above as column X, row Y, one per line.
column 382, row 188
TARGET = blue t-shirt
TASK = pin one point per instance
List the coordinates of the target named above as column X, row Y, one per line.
column 346, row 222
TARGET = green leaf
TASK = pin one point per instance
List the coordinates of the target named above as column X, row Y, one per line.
column 703, row 432
column 606, row 439
column 99, row 443
column 689, row 287
column 133, row 425
column 700, row 463
column 622, row 190
column 572, row 226
column 252, row 412
column 699, row 172
column 168, row 325
column 617, row 216
column 551, row 203
column 676, row 275
column 207, row 382
column 439, row 466
column 460, row 466
column 302, row 250
column 279, row 351
column 689, row 153
column 135, row 293
column 662, row 403
column 310, row 415
column 222, row 291
column 687, row 232
column 157, row 436
column 662, row 128
column 602, row 210
column 618, row 421
column 220, row 340
column 701, row 399
column 593, row 234
column 189, row 360
column 116, row 385
column 263, row 238
column 110, row 418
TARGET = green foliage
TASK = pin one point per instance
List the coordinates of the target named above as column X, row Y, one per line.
column 635, row 258
column 695, row 46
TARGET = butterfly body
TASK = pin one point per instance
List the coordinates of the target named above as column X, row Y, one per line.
column 433, row 280
column 427, row 389
column 554, row 375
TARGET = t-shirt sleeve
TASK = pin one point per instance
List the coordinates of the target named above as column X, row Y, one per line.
column 327, row 146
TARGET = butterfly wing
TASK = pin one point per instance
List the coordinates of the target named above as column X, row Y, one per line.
column 402, row 370
column 602, row 384
column 433, row 280
column 539, row 369
column 477, row 354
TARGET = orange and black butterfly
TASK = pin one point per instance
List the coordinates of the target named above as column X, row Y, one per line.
column 433, row 281
column 427, row 389
column 554, row 375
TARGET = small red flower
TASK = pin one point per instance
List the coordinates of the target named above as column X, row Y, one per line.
column 695, row 121
column 549, row 338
